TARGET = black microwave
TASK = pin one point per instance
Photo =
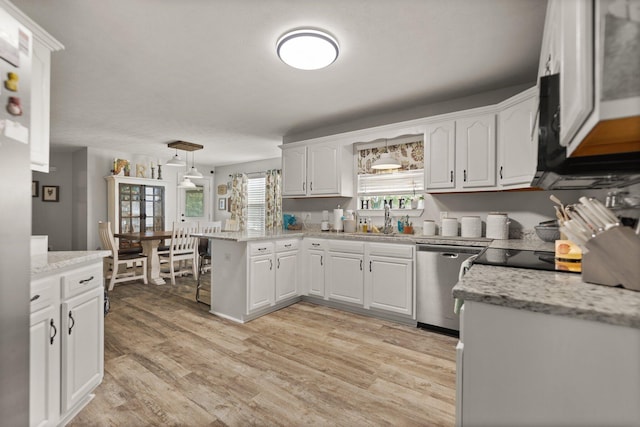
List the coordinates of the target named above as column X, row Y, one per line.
column 556, row 171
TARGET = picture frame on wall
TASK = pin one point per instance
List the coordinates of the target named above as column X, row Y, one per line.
column 35, row 188
column 50, row 193
column 222, row 204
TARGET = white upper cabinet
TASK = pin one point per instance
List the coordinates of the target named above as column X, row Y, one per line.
column 42, row 46
column 476, row 147
column 518, row 142
column 294, row 171
column 317, row 170
column 440, row 153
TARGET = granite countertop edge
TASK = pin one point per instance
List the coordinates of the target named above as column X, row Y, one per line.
column 555, row 293
column 53, row 261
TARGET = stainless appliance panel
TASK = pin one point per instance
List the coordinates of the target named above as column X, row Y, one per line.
column 437, row 272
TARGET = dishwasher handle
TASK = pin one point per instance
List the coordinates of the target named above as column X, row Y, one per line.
column 449, row 249
column 449, row 255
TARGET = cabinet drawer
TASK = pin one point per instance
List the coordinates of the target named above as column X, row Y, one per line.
column 81, row 280
column 392, row 250
column 261, row 248
column 346, row 246
column 316, row 243
column 43, row 292
column 287, row 245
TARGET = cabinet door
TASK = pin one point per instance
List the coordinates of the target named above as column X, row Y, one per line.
column 324, row 173
column 294, row 171
column 315, row 276
column 44, row 367
column 440, row 153
column 40, row 93
column 286, row 275
column 261, row 282
column 517, row 144
column 346, row 277
column 476, row 146
column 390, row 284
column 82, row 346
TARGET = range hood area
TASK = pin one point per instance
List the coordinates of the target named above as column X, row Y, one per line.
column 556, row 171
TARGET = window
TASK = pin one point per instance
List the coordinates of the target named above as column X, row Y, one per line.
column 194, row 202
column 256, row 206
column 400, row 187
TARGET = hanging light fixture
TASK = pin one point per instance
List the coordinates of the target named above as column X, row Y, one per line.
column 175, row 161
column 193, row 172
column 386, row 161
column 307, row 49
column 186, row 183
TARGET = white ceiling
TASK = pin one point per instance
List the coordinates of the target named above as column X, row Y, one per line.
column 137, row 74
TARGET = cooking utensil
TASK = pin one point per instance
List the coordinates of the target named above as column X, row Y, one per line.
column 556, row 200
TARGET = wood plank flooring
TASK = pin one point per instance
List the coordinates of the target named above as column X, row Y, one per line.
column 169, row 362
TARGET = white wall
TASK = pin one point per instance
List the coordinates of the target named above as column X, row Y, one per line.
column 54, row 219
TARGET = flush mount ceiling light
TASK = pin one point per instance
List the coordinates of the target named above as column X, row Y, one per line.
column 386, row 161
column 307, row 49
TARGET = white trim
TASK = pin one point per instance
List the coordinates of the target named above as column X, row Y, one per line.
column 38, row 32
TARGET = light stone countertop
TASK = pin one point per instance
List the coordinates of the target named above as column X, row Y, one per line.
column 52, row 261
column 548, row 292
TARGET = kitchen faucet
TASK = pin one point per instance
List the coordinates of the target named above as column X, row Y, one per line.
column 388, row 228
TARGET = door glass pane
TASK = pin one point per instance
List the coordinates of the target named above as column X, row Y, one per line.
column 194, row 202
column 135, row 224
column 135, row 208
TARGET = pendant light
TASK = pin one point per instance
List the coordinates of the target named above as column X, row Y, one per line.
column 175, row 161
column 193, row 172
column 186, row 183
column 307, row 49
column 386, row 161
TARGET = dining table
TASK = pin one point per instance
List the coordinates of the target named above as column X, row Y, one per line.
column 150, row 241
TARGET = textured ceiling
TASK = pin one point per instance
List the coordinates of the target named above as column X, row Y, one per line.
column 137, row 74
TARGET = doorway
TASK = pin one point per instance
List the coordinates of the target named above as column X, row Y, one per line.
column 194, row 204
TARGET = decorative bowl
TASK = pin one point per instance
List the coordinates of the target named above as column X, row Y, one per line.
column 548, row 233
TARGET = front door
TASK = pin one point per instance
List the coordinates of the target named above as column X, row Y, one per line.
column 194, row 204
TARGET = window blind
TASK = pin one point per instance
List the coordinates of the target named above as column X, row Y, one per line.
column 256, row 192
column 401, row 182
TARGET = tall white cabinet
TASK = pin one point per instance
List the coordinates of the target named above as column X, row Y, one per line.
column 67, row 341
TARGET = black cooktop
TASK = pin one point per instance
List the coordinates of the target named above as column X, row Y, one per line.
column 535, row 260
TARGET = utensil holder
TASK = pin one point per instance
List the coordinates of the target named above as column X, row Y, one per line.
column 613, row 259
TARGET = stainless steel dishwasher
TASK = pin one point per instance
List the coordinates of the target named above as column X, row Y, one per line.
column 437, row 271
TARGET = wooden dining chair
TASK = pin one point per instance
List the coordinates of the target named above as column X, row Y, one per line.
column 182, row 249
column 204, row 252
column 112, row 264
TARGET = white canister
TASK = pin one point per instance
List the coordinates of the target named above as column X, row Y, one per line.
column 449, row 227
column 497, row 226
column 470, row 226
column 428, row 228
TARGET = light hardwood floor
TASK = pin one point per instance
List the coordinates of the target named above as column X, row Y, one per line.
column 169, row 362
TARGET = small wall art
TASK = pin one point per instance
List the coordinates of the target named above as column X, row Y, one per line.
column 121, row 167
column 35, row 188
column 222, row 204
column 50, row 193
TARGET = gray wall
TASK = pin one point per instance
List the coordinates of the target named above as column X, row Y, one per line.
column 55, row 218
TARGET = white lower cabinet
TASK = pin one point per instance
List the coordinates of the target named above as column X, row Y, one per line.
column 370, row 275
column 67, row 343
column 273, row 273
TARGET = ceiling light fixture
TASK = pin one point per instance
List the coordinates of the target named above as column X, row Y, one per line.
column 175, row 161
column 307, row 49
column 193, row 172
column 386, row 161
column 186, row 183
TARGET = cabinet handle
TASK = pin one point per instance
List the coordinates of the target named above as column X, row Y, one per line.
column 315, row 244
column 287, row 246
column 278, row 267
column 82, row 282
column 262, row 249
column 35, row 297
column 321, row 256
column 370, row 266
column 52, row 325
column 500, row 172
column 451, row 176
column 360, row 265
column 73, row 321
column 311, row 186
column 304, row 186
column 465, row 175
column 270, row 264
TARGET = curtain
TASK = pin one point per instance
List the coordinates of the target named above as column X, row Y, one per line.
column 410, row 155
column 273, row 200
column 239, row 200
